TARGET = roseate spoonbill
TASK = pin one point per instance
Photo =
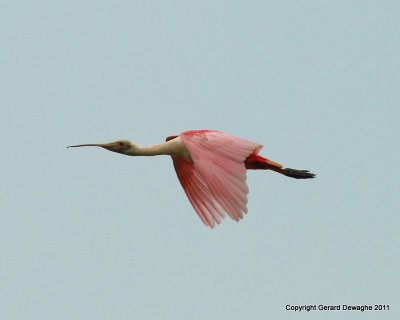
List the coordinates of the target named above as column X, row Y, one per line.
column 211, row 167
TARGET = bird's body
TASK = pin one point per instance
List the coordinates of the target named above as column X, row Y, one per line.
column 211, row 167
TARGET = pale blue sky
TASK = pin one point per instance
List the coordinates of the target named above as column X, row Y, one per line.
column 89, row 234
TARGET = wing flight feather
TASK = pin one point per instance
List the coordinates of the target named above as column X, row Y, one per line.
column 215, row 179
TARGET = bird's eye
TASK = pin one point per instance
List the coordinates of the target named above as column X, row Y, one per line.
column 121, row 144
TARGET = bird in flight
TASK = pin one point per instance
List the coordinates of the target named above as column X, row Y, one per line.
column 211, row 167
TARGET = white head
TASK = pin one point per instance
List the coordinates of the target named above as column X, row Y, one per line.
column 119, row 146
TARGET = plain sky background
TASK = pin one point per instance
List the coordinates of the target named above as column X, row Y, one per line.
column 90, row 234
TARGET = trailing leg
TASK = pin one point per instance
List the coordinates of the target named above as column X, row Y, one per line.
column 297, row 174
column 257, row 162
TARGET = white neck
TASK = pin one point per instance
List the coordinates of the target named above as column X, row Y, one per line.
column 173, row 147
column 152, row 150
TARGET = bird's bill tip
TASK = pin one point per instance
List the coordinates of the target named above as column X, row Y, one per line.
column 86, row 145
column 111, row 146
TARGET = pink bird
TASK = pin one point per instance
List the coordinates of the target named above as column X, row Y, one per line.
column 211, row 167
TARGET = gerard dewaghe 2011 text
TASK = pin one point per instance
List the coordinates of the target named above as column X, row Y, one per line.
column 338, row 307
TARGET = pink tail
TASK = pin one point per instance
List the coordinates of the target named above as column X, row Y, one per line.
column 257, row 162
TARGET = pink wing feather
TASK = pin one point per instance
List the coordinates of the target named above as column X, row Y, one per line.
column 215, row 180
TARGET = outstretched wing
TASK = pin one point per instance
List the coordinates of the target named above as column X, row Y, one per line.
column 215, row 179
